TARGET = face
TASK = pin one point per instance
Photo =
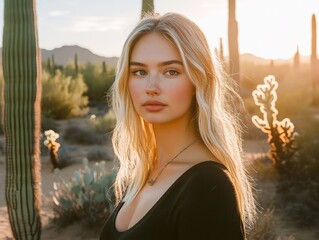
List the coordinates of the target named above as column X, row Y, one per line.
column 158, row 84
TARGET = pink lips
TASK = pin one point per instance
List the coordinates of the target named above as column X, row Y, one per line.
column 154, row 106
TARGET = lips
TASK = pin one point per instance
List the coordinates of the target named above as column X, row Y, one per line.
column 154, row 106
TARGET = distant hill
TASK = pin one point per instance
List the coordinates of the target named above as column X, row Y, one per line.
column 248, row 57
column 65, row 55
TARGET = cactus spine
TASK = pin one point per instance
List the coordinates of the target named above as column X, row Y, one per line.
column 147, row 7
column 22, row 95
column 234, row 68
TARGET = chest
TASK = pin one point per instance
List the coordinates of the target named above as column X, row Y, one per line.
column 132, row 213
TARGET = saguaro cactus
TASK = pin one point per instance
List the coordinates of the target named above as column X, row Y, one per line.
column 76, row 67
column 22, row 95
column 297, row 60
column 314, row 60
column 234, row 68
column 221, row 50
column 147, row 7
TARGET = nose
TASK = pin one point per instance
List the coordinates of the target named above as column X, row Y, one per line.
column 152, row 87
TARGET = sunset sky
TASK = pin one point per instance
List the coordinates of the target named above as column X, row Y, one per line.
column 267, row 28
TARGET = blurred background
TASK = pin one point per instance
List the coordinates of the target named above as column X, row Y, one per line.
column 80, row 43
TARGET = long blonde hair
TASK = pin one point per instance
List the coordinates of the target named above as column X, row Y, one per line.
column 217, row 123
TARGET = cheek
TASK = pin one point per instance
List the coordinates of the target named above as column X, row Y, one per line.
column 184, row 94
column 134, row 90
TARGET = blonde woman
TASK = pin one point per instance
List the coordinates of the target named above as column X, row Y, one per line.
column 181, row 172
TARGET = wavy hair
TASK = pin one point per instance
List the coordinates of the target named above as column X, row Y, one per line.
column 215, row 118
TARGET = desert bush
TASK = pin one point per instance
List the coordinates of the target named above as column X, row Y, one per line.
column 85, row 197
column 49, row 123
column 1, row 92
column 98, row 153
column 264, row 227
column 103, row 124
column 63, row 97
column 83, row 135
column 298, row 193
column 98, row 80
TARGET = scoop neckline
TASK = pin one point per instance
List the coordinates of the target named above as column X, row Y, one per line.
column 162, row 197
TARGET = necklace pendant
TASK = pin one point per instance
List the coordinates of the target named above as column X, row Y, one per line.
column 151, row 182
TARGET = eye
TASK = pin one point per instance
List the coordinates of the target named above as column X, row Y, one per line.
column 171, row 73
column 139, row 72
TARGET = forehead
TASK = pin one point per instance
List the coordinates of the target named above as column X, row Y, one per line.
column 153, row 47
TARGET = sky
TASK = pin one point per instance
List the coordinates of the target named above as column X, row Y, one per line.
column 267, row 28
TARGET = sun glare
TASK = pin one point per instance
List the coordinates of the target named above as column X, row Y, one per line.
column 274, row 29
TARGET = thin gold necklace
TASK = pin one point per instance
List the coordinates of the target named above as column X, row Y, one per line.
column 153, row 180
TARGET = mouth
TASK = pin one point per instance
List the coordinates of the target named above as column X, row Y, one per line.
column 154, row 106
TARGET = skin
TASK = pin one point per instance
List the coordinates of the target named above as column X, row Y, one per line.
column 157, row 74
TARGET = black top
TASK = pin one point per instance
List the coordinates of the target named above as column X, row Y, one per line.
column 200, row 205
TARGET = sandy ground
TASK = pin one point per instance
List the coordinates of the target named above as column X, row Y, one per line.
column 49, row 231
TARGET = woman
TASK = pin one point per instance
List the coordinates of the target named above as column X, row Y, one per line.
column 181, row 174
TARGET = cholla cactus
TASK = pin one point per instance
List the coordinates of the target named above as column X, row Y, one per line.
column 280, row 133
column 53, row 147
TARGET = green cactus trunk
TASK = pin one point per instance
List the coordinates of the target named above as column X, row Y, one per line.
column 22, row 95
column 76, row 67
column 234, row 68
column 147, row 7
column 104, row 67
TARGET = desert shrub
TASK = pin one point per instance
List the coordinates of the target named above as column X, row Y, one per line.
column 98, row 153
column 1, row 92
column 63, row 97
column 264, row 227
column 85, row 197
column 83, row 135
column 105, row 123
column 98, row 80
column 65, row 158
column 298, row 193
column 49, row 123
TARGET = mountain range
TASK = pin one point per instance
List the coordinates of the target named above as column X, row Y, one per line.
column 65, row 54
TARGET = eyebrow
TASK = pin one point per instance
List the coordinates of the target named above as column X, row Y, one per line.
column 166, row 63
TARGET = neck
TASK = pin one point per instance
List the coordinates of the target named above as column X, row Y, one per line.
column 172, row 138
